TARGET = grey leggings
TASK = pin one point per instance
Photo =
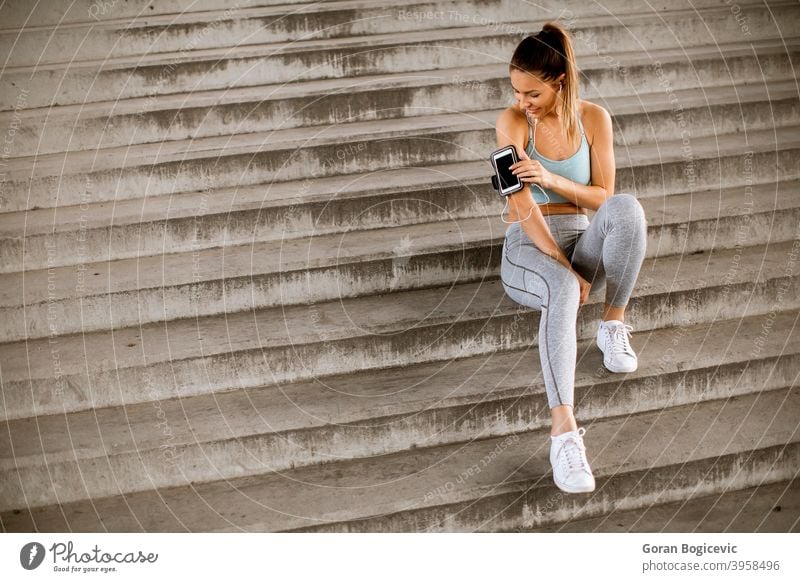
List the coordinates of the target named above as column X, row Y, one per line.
column 611, row 247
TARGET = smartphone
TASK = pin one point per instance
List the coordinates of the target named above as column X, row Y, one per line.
column 502, row 160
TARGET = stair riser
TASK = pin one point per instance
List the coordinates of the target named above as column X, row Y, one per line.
column 65, row 133
column 219, row 31
column 362, row 156
column 338, row 214
column 472, row 261
column 92, row 11
column 236, row 26
column 20, row 15
column 340, row 353
column 188, row 234
column 171, row 465
column 695, row 174
column 88, row 85
column 545, row 504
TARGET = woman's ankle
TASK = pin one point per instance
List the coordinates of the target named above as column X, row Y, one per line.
column 563, row 431
column 563, row 420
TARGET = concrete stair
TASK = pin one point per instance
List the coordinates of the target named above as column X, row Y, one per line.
column 483, row 484
column 448, row 45
column 218, row 275
column 765, row 508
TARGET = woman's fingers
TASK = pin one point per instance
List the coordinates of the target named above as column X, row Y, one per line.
column 528, row 175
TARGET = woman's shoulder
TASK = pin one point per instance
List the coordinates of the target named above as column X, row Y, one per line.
column 511, row 115
column 593, row 116
column 589, row 108
column 512, row 123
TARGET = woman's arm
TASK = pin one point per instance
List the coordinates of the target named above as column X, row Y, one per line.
column 521, row 203
column 602, row 160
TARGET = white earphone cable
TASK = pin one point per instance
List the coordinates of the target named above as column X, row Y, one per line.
column 535, row 122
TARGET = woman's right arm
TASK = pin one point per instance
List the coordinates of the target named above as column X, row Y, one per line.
column 521, row 203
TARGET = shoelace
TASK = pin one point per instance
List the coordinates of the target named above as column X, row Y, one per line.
column 572, row 451
column 618, row 338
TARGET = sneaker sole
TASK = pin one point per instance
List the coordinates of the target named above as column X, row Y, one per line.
column 572, row 489
column 612, row 368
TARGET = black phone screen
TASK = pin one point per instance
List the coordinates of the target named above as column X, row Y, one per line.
column 507, row 178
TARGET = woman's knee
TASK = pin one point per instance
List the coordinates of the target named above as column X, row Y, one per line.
column 536, row 289
column 626, row 205
column 564, row 290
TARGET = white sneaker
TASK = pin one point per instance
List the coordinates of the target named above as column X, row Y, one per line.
column 612, row 339
column 571, row 470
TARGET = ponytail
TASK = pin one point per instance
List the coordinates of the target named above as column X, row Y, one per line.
column 547, row 54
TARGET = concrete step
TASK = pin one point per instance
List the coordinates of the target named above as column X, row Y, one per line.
column 351, row 139
column 204, row 355
column 486, row 484
column 769, row 508
column 191, row 222
column 400, row 52
column 16, row 14
column 106, row 31
column 148, row 32
column 20, row 14
column 358, row 148
column 319, row 268
column 316, row 103
column 116, row 450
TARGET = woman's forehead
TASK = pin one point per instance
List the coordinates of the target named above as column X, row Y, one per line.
column 525, row 82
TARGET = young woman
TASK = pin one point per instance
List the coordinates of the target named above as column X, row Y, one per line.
column 552, row 253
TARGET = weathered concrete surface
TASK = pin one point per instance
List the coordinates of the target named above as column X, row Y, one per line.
column 232, row 302
column 373, row 413
column 202, row 355
column 400, row 52
column 771, row 508
column 451, row 488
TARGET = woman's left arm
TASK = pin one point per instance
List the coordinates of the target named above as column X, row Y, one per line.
column 601, row 152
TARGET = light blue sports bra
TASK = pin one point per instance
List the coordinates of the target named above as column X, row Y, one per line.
column 577, row 167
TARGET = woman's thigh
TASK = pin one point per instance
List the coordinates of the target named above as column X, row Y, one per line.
column 587, row 253
column 532, row 278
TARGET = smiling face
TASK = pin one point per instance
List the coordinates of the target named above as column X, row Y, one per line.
column 532, row 94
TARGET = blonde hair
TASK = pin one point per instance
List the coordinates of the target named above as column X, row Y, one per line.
column 546, row 55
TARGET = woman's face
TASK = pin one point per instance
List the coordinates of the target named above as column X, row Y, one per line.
column 533, row 95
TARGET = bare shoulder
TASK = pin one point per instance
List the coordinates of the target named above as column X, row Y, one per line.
column 510, row 125
column 510, row 116
column 595, row 118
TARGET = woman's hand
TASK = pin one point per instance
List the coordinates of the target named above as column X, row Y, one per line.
column 532, row 171
column 585, row 287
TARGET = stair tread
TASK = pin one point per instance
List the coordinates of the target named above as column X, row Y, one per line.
column 297, row 138
column 465, row 472
column 370, row 396
column 369, row 315
column 432, row 78
column 227, row 200
column 773, row 507
column 149, row 20
column 334, row 250
column 67, row 18
column 372, row 41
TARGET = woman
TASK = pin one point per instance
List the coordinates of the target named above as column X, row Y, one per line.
column 552, row 251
